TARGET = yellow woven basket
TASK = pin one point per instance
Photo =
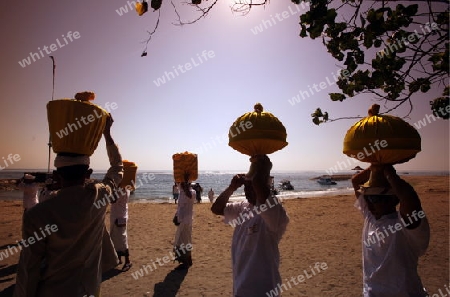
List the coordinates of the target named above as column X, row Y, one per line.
column 75, row 126
column 185, row 164
column 129, row 174
column 257, row 133
column 382, row 139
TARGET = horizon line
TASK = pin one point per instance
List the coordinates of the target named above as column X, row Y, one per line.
column 228, row 170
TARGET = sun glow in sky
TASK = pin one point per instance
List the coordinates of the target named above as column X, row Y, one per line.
column 162, row 110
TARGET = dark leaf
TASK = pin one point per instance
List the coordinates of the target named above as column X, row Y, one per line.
column 317, row 113
column 425, row 87
column 411, row 10
column 337, row 97
column 316, row 121
column 156, row 4
column 331, row 15
column 446, row 91
column 368, row 40
column 441, row 107
column 303, row 31
column 377, row 43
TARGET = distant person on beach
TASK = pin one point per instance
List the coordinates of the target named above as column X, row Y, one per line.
column 30, row 190
column 75, row 253
column 211, row 195
column 393, row 240
column 198, row 192
column 175, row 192
column 118, row 227
column 259, row 224
column 183, row 220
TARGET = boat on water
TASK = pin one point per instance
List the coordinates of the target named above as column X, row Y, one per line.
column 285, row 185
column 326, row 180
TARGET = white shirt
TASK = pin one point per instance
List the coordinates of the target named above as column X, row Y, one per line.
column 185, row 207
column 75, row 252
column 30, row 194
column 119, row 209
column 254, row 247
column 390, row 255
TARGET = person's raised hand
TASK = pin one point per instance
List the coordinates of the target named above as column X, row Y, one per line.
column 237, row 181
column 109, row 122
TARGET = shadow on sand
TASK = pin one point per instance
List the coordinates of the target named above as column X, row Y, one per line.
column 171, row 284
column 110, row 274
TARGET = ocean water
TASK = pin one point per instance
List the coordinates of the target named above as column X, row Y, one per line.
column 156, row 186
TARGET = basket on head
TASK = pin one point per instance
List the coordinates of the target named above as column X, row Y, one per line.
column 381, row 139
column 185, row 167
column 257, row 133
column 129, row 175
column 75, row 126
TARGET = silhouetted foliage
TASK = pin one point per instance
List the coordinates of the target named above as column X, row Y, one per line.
column 386, row 49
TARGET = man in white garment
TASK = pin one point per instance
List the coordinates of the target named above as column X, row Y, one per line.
column 259, row 224
column 393, row 240
column 68, row 231
column 118, row 227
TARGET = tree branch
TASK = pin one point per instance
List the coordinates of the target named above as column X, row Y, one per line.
column 243, row 7
column 203, row 13
column 150, row 34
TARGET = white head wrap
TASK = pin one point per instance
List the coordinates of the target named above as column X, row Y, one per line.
column 63, row 161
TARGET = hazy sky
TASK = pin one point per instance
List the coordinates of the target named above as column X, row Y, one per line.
column 192, row 111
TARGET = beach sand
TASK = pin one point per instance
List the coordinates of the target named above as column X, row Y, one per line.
column 321, row 230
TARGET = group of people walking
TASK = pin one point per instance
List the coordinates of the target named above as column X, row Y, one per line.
column 389, row 263
column 70, row 262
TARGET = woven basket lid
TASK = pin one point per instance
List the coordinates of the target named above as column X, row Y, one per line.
column 382, row 139
column 257, row 133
